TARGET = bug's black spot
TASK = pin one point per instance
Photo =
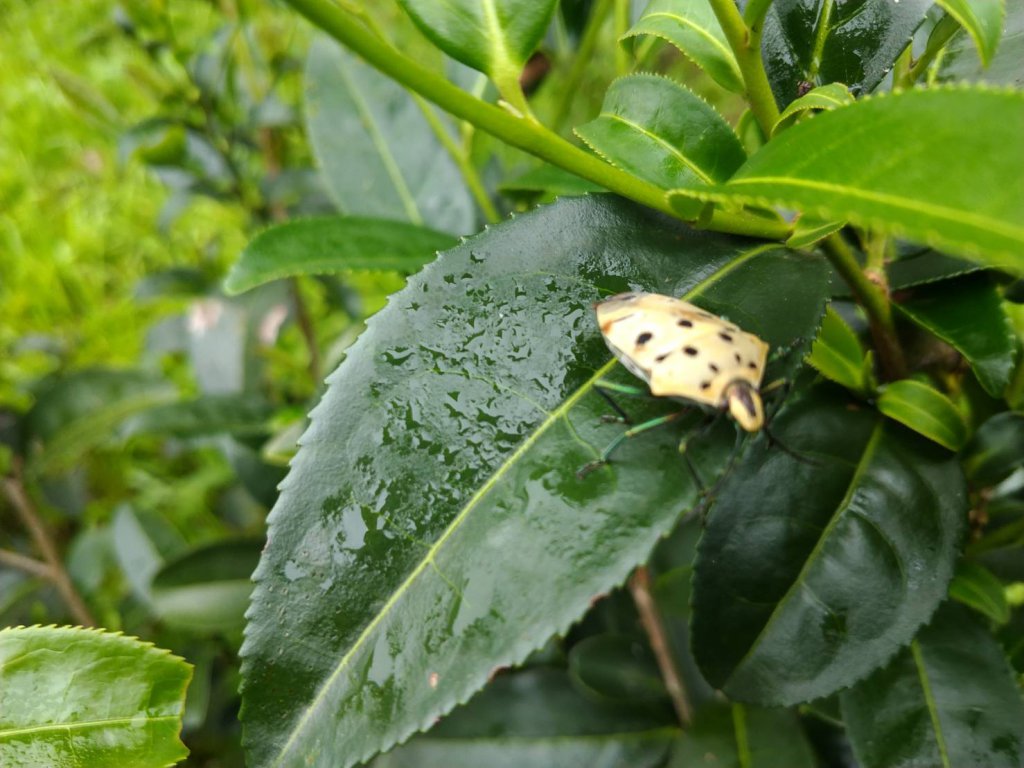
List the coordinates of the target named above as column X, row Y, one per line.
column 661, row 358
column 738, row 358
column 691, row 351
column 705, row 384
column 752, row 365
column 643, row 338
column 684, row 323
column 725, row 336
column 713, row 367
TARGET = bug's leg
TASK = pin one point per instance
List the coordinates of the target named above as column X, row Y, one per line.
column 603, row 388
column 774, row 441
column 589, row 467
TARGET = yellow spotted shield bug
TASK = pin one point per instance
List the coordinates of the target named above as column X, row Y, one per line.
column 683, row 352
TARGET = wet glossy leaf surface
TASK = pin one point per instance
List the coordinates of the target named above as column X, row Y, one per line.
column 664, row 133
column 740, row 736
column 925, row 410
column 980, row 589
column 967, row 313
column 809, row 576
column 536, row 718
column 376, row 152
column 433, row 526
column 77, row 698
column 871, row 163
column 858, row 42
column 948, row 700
column 492, row 36
column 693, row 29
column 207, row 588
column 330, row 245
column 838, row 355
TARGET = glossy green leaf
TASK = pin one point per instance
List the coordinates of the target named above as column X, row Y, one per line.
column 210, row 415
column 77, row 412
column 812, row 572
column 983, row 20
column 432, row 526
column 495, row 37
column 331, row 245
column 739, row 736
column 377, row 154
column 616, row 667
column 837, row 354
column 977, row 587
column 995, row 451
column 692, row 27
column 925, row 410
column 823, row 97
column 82, row 698
column 816, row 43
column 663, row 132
column 536, row 718
column 841, row 165
column 948, row 700
column 968, row 314
column 926, row 266
column 961, row 62
column 809, row 230
column 207, row 588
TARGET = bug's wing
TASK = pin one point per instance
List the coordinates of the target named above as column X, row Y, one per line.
column 715, row 354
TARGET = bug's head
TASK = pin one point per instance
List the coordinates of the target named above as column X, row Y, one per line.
column 745, row 405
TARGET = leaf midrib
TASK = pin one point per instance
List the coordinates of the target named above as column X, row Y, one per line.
column 84, row 724
column 930, row 703
column 682, row 158
column 557, row 414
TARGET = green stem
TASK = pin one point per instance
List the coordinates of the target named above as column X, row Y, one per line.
column 518, row 132
column 458, row 154
column 622, row 9
column 875, row 302
column 746, row 46
column 580, row 61
column 820, row 36
column 941, row 34
column 466, row 167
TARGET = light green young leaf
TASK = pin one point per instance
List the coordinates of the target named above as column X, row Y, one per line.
column 433, row 526
column 692, row 27
column 926, row 411
column 330, row 245
column 663, row 132
column 961, row 61
column 983, row 20
column 495, row 37
column 838, row 355
column 823, row 97
column 948, row 700
column 809, row 230
column 377, row 154
column 900, row 163
column 977, row 587
column 82, row 698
